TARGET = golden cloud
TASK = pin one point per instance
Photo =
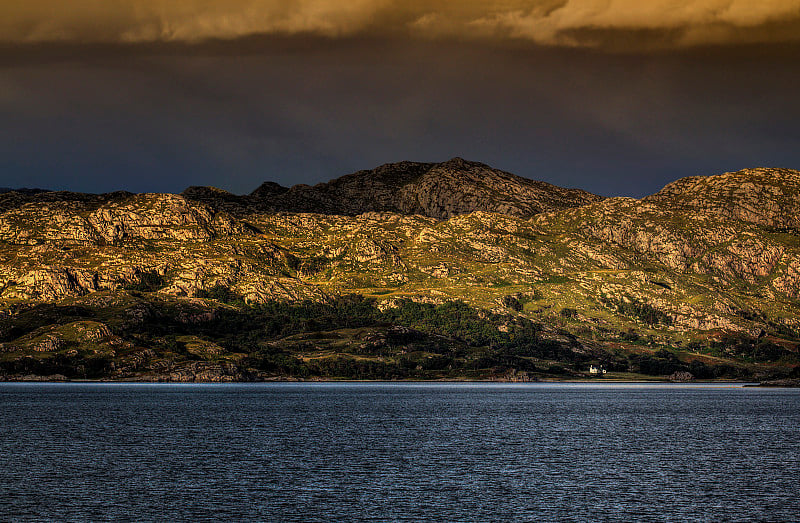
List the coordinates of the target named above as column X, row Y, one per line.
column 592, row 23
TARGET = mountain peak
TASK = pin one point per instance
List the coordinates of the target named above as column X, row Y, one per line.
column 268, row 189
column 438, row 190
column 460, row 163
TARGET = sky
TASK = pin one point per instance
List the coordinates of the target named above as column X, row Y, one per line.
column 618, row 97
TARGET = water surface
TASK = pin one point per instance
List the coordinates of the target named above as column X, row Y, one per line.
column 399, row 451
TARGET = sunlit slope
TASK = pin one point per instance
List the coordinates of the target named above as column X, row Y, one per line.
column 673, row 270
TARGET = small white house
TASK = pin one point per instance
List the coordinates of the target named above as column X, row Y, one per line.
column 596, row 370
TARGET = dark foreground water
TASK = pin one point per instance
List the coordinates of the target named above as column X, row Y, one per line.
column 445, row 452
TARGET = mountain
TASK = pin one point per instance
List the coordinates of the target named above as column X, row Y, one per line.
column 701, row 279
column 438, row 190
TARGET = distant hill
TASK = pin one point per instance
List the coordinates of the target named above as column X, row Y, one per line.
column 22, row 190
column 438, row 190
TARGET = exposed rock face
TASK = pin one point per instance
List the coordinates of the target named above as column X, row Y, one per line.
column 70, row 218
column 33, row 222
column 765, row 196
column 438, row 190
column 681, row 376
column 460, row 187
column 159, row 217
column 689, row 234
column 207, row 372
column 51, row 283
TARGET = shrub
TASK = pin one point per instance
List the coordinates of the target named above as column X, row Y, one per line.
column 568, row 313
column 149, row 281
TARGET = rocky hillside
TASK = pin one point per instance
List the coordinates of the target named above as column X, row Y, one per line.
column 701, row 279
column 764, row 196
column 437, row 190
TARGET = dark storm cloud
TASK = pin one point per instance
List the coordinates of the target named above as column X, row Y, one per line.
column 615, row 96
column 305, row 109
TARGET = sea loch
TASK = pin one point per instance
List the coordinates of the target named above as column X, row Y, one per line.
column 399, row 451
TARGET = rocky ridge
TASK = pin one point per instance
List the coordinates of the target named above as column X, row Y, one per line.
column 437, row 190
column 704, row 267
column 765, row 196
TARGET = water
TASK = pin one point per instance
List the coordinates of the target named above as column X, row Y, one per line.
column 445, row 452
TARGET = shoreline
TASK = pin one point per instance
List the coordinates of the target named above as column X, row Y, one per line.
column 783, row 383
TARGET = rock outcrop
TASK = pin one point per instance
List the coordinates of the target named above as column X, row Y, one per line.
column 765, row 196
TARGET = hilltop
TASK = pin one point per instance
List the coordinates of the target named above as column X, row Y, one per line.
column 409, row 270
column 437, row 190
column 764, row 196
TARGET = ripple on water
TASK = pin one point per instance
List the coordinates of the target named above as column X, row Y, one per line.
column 466, row 452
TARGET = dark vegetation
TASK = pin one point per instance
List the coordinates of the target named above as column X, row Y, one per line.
column 637, row 310
column 349, row 337
column 451, row 338
column 664, row 363
column 78, row 366
column 222, row 294
column 746, row 348
column 150, row 281
column 568, row 313
column 27, row 318
column 411, row 340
